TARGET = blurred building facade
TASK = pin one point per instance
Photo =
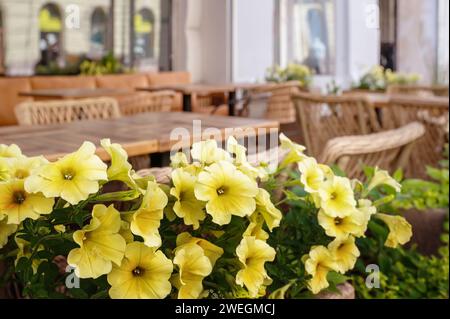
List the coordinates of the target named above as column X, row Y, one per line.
column 231, row 40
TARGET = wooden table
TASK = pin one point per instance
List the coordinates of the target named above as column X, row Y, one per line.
column 75, row 93
column 204, row 89
column 142, row 134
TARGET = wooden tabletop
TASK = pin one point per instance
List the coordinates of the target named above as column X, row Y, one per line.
column 141, row 134
column 75, row 93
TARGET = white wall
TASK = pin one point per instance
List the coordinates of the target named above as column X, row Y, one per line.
column 417, row 38
column 216, row 41
column 253, row 39
column 202, row 39
column 363, row 37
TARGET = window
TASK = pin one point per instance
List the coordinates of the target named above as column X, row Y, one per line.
column 309, row 37
column 2, row 48
column 144, row 28
column 99, row 32
column 50, row 27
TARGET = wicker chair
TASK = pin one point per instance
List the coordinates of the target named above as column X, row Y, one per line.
column 280, row 106
column 419, row 90
column 255, row 105
column 144, row 102
column 162, row 174
column 66, row 111
column 433, row 114
column 388, row 150
column 214, row 103
column 322, row 118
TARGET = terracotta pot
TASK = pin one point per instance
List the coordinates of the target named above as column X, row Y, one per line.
column 427, row 229
column 346, row 291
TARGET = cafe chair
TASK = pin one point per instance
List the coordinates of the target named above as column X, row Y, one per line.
column 321, row 118
column 255, row 104
column 433, row 114
column 419, row 90
column 66, row 111
column 161, row 174
column 146, row 102
column 388, row 150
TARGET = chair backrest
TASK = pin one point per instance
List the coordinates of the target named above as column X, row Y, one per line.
column 145, row 102
column 280, row 106
column 433, row 114
column 255, row 104
column 388, row 150
column 161, row 174
column 66, row 111
column 322, row 118
column 419, row 90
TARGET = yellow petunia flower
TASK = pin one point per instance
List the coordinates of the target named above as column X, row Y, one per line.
column 73, row 178
column 143, row 274
column 4, row 169
column 147, row 219
column 327, row 171
column 186, row 206
column 207, row 152
column 382, row 177
column 336, row 197
column 255, row 228
column 400, row 231
column 17, row 205
column 10, row 151
column 211, row 251
column 6, row 230
column 227, row 192
column 341, row 227
column 318, row 264
column 120, row 169
column 125, row 232
column 179, row 160
column 295, row 154
column 22, row 167
column 100, row 244
column 193, row 266
column 264, row 206
column 345, row 253
column 366, row 211
column 312, row 175
column 240, row 160
column 253, row 254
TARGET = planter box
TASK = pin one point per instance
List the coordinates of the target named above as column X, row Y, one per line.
column 346, row 291
column 427, row 229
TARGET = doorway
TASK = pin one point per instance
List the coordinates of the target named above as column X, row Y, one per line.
column 388, row 34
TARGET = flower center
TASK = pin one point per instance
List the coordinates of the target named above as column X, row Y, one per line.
column 221, row 190
column 333, row 195
column 19, row 197
column 21, row 174
column 68, row 174
column 338, row 221
column 137, row 272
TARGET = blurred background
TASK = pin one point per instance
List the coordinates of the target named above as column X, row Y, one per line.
column 226, row 40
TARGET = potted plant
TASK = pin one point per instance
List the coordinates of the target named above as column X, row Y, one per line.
column 213, row 230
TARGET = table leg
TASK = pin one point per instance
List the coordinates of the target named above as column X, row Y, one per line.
column 187, row 102
column 231, row 103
